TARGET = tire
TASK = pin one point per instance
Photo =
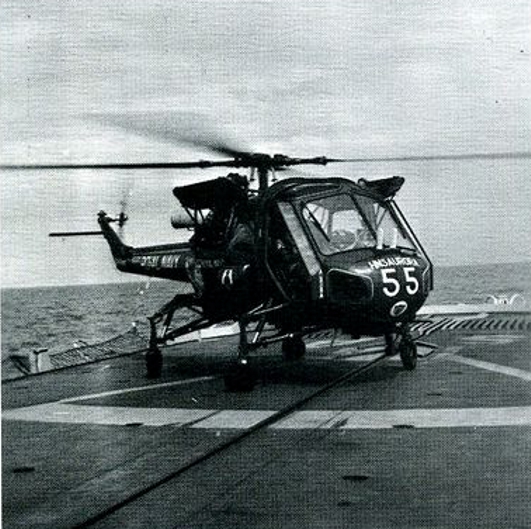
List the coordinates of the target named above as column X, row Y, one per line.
column 293, row 348
column 408, row 353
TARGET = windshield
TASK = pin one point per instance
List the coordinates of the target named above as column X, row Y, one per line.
column 341, row 223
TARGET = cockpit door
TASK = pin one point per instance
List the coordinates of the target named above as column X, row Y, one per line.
column 290, row 258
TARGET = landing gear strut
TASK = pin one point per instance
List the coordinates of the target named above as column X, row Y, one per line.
column 154, row 358
column 408, row 351
column 241, row 378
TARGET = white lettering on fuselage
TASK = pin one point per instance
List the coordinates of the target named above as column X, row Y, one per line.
column 384, row 262
column 161, row 261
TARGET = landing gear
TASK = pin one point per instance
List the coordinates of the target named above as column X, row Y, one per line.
column 165, row 315
column 241, row 378
column 408, row 352
column 293, row 348
column 403, row 344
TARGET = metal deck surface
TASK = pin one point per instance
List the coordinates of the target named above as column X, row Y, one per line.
column 446, row 445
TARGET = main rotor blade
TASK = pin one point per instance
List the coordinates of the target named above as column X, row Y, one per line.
column 174, row 127
column 433, row 157
column 201, row 164
column 278, row 161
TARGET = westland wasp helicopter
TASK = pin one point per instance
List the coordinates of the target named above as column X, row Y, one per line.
column 295, row 255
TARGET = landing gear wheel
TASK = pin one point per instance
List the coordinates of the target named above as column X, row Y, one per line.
column 293, row 348
column 408, row 353
column 153, row 363
column 241, row 379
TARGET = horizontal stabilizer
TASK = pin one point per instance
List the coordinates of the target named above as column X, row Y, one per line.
column 74, row 233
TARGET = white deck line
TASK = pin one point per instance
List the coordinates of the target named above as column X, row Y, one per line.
column 138, row 388
column 61, row 412
column 489, row 366
column 301, row 420
column 416, row 418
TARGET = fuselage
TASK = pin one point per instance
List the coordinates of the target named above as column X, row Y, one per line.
column 336, row 253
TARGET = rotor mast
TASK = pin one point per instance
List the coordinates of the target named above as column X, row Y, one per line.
column 263, row 177
column 266, row 164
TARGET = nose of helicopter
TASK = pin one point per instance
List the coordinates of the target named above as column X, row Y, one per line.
column 392, row 288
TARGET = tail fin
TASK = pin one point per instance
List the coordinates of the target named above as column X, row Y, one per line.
column 120, row 251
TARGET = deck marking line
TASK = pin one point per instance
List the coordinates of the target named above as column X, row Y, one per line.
column 422, row 352
column 493, row 339
column 139, row 388
column 361, row 358
column 418, row 418
column 300, row 420
column 106, row 415
column 348, row 355
column 340, row 342
column 489, row 366
column 233, row 419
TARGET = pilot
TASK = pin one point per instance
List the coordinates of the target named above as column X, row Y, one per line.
column 210, row 234
column 224, row 246
column 218, row 226
column 240, row 256
column 285, row 260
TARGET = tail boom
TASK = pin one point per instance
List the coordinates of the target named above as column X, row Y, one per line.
column 169, row 261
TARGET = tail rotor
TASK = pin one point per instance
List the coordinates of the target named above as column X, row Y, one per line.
column 123, row 217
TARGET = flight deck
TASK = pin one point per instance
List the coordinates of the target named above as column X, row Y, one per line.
column 342, row 438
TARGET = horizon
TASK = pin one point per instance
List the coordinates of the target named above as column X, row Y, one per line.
column 130, row 279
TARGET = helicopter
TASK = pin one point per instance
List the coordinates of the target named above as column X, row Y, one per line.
column 295, row 255
column 284, row 259
column 300, row 255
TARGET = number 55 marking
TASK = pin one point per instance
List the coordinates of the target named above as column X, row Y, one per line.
column 412, row 284
column 392, row 285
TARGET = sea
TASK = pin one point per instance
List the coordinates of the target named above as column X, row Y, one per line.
column 59, row 318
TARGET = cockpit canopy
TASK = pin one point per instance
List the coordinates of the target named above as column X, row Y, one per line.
column 343, row 222
column 340, row 215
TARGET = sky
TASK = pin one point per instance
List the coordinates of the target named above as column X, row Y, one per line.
column 305, row 78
